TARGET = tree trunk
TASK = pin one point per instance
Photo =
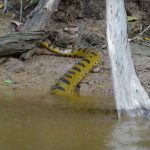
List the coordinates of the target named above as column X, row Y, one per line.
column 42, row 13
column 131, row 98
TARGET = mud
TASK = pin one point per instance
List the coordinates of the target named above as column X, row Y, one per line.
column 41, row 72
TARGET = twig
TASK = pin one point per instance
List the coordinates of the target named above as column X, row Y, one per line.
column 5, row 5
column 79, row 38
column 21, row 10
column 139, row 34
column 3, row 60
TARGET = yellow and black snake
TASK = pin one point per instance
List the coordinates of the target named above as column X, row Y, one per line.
column 68, row 82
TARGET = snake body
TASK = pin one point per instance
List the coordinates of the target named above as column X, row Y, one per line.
column 67, row 83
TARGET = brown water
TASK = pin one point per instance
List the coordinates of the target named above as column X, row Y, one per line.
column 38, row 122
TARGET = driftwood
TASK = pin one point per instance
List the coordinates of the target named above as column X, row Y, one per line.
column 20, row 42
column 42, row 13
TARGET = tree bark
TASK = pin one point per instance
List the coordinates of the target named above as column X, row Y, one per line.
column 42, row 13
column 20, row 42
column 131, row 98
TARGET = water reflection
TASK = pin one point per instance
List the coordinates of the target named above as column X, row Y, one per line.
column 131, row 135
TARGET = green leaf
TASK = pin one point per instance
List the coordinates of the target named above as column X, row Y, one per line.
column 8, row 81
column 33, row 2
column 131, row 18
column 1, row 5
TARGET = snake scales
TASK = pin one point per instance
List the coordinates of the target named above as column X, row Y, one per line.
column 68, row 82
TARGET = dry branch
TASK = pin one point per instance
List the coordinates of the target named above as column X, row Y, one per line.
column 42, row 13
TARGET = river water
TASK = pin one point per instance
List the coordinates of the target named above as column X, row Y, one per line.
column 31, row 121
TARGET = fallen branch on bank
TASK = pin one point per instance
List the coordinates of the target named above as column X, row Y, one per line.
column 20, row 42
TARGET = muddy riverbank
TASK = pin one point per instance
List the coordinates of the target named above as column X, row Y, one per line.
column 80, row 28
column 41, row 72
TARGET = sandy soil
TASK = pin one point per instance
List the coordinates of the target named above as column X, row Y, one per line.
column 41, row 72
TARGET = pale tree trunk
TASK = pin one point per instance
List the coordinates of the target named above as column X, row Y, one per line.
column 131, row 98
column 42, row 13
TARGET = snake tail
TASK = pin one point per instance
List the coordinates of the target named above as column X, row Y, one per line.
column 66, row 85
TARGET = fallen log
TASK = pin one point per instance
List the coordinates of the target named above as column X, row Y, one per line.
column 20, row 42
